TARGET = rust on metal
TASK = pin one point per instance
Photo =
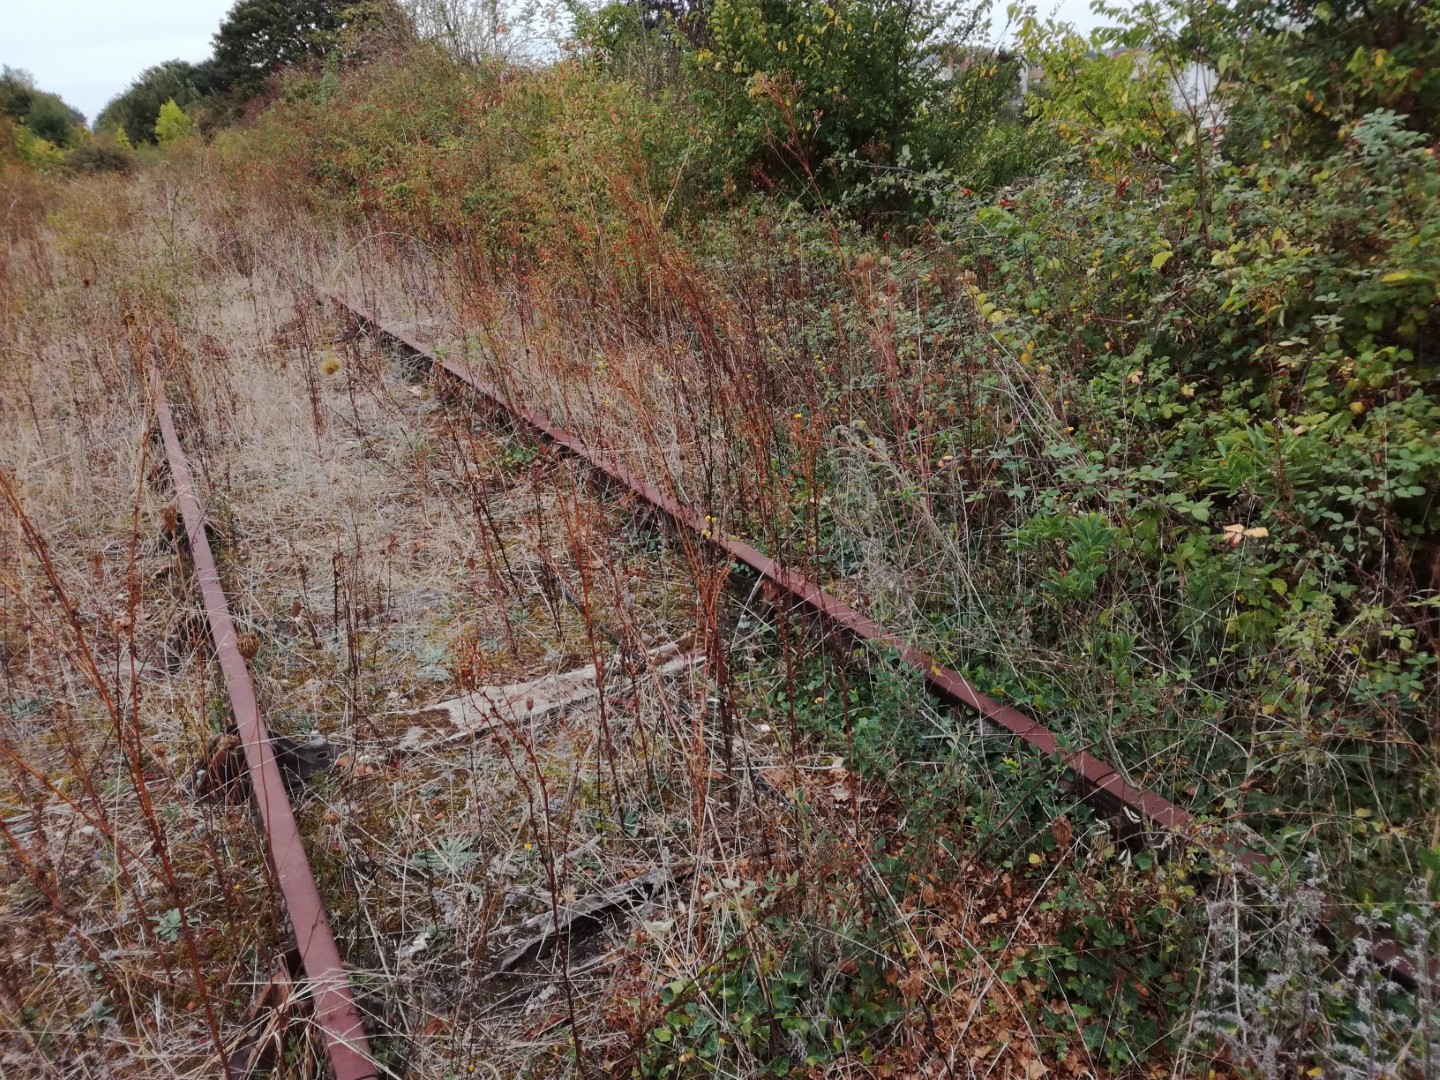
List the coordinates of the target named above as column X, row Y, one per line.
column 1104, row 787
column 1113, row 791
column 341, row 1030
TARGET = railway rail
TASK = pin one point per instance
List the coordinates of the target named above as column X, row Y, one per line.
column 336, row 1015
column 1101, row 784
column 342, row 1032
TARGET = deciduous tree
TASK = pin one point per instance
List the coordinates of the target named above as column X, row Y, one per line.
column 259, row 37
column 172, row 124
column 135, row 111
column 45, row 115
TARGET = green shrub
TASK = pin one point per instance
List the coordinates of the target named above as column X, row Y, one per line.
column 828, row 96
column 172, row 124
column 100, row 155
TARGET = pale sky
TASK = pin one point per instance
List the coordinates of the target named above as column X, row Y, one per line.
column 87, row 51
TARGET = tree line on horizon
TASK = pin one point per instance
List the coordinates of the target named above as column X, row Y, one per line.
column 257, row 39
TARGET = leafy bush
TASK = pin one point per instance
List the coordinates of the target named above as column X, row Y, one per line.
column 172, row 124
column 1312, row 68
column 834, row 95
column 100, row 155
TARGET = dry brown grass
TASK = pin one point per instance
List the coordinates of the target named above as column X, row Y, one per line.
column 388, row 546
column 106, row 688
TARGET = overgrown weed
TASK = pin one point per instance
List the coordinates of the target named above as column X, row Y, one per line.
column 1143, row 444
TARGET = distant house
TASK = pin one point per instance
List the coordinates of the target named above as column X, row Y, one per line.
column 958, row 60
column 1193, row 91
column 1192, row 88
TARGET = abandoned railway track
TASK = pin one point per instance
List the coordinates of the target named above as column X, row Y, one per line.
column 325, row 980
column 304, row 870
column 1099, row 783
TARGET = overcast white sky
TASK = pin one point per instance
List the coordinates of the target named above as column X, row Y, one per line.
column 87, row 51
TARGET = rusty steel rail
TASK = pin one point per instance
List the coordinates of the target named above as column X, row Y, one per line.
column 1106, row 787
column 1102, row 785
column 338, row 1018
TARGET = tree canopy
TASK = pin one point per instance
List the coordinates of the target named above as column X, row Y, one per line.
column 259, row 37
column 135, row 111
column 44, row 115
